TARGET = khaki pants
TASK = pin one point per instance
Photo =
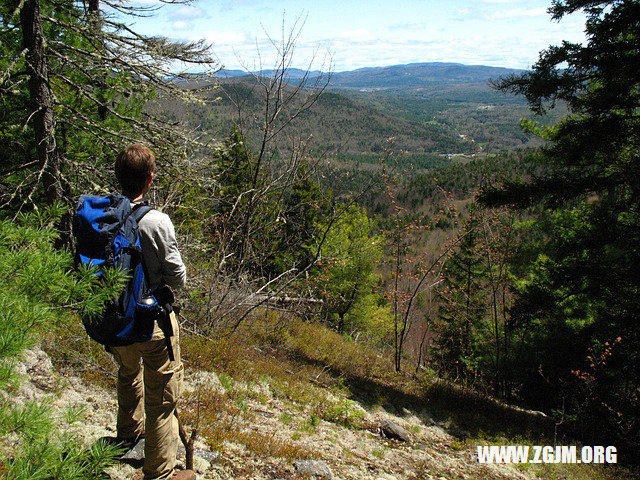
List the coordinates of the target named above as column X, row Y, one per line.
column 147, row 399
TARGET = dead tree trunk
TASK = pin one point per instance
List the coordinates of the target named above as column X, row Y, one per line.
column 41, row 101
column 188, row 441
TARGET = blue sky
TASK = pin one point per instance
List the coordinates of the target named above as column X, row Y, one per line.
column 351, row 34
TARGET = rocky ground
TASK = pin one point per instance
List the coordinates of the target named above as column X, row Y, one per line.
column 383, row 446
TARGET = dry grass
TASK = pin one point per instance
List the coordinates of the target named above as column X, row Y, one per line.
column 579, row 472
column 71, row 349
column 294, row 351
column 220, row 420
column 271, row 446
column 300, row 363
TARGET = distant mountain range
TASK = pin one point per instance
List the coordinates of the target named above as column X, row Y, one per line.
column 411, row 75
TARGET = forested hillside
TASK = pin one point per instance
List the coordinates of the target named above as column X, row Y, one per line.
column 336, row 123
column 451, row 117
column 451, row 255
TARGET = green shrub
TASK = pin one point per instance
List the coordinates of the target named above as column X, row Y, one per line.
column 40, row 292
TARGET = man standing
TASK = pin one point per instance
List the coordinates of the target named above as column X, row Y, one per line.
column 147, row 400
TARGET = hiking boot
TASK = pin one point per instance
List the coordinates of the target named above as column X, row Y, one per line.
column 183, row 475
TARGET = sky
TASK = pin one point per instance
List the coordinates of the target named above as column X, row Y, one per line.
column 345, row 35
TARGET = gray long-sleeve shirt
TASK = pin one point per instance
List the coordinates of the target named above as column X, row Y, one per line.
column 160, row 251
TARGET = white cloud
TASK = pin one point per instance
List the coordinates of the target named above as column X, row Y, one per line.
column 518, row 13
column 357, row 35
column 359, row 48
column 187, row 12
column 181, row 25
column 226, row 38
column 407, row 26
column 506, row 33
column 229, row 5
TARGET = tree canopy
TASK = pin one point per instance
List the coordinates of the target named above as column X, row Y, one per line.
column 582, row 297
column 74, row 82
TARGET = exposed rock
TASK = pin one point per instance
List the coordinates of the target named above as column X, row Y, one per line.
column 200, row 465
column 392, row 430
column 202, row 379
column 386, row 476
column 355, row 454
column 426, row 418
column 36, row 365
column 317, row 468
column 136, row 454
column 206, row 455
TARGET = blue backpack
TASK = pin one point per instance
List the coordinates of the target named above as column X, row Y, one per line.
column 106, row 231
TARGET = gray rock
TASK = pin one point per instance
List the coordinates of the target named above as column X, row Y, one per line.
column 386, row 476
column 35, row 362
column 207, row 455
column 392, row 430
column 37, row 366
column 136, row 454
column 427, row 419
column 317, row 468
column 200, row 465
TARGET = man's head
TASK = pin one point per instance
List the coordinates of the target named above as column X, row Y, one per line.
column 134, row 170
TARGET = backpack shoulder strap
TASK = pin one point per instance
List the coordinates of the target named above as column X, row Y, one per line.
column 139, row 211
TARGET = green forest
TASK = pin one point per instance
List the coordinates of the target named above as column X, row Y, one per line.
column 472, row 248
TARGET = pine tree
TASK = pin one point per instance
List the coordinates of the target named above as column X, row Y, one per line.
column 284, row 221
column 40, row 291
column 462, row 307
column 581, row 301
column 297, row 227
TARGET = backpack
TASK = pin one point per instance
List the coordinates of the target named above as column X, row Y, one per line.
column 106, row 232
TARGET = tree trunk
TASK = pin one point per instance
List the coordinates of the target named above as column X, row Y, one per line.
column 397, row 344
column 41, row 103
column 188, row 441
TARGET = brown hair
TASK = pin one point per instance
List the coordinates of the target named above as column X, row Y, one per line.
column 133, row 166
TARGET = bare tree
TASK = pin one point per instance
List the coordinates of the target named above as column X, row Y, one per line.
column 251, row 224
column 413, row 270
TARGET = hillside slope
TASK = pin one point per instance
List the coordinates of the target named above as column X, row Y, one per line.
column 280, row 433
column 425, row 108
column 278, row 408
